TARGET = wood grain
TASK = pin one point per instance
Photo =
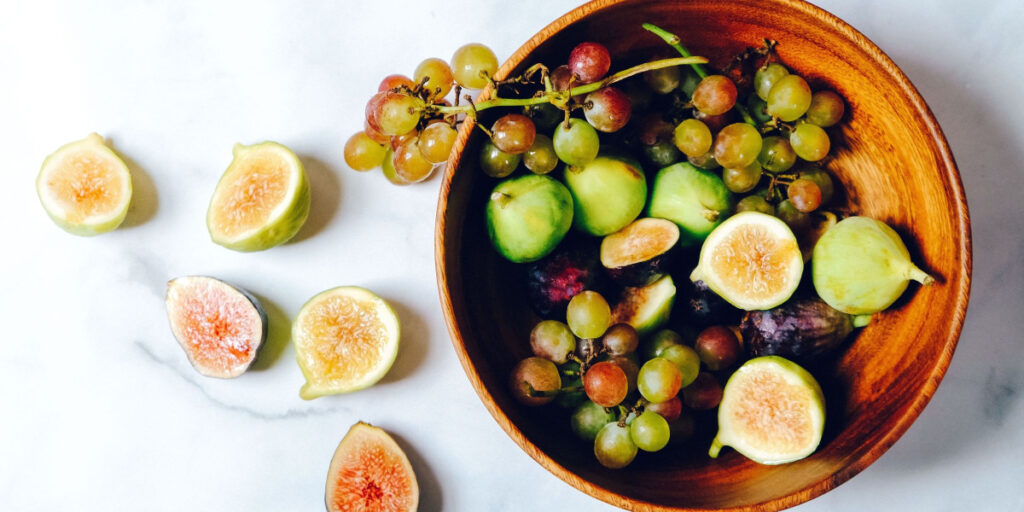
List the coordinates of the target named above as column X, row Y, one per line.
column 894, row 165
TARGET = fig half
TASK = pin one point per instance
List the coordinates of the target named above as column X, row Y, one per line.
column 641, row 252
column 646, row 308
column 370, row 472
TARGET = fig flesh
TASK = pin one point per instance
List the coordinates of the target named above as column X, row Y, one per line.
column 646, row 308
column 370, row 472
column 805, row 331
column 641, row 252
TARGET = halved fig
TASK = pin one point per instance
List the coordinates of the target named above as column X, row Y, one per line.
column 641, row 252
column 646, row 308
column 370, row 473
column 220, row 327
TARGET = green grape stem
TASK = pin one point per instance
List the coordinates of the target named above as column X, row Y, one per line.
column 674, row 41
column 561, row 97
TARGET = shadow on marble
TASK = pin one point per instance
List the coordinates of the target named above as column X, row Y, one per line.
column 430, row 488
column 985, row 380
column 414, row 342
column 325, row 193
column 145, row 200
column 278, row 335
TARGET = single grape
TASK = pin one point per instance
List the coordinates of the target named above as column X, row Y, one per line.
column 705, row 393
column 387, row 168
column 362, row 153
column 776, row 154
column 797, row 220
column 561, row 78
column 552, row 340
column 535, row 381
column 649, row 431
column 689, row 82
column 541, row 157
column 821, row 179
column 588, row 419
column 692, row 137
column 393, row 82
column 497, row 163
column 742, row 179
column 631, row 369
column 397, row 113
column 606, row 384
column 438, row 74
column 662, row 154
column 620, row 339
column 737, row 145
column 804, row 194
column 513, row 133
column 826, row 109
column 686, row 359
column 718, row 347
column 755, row 204
column 613, row 446
column 576, row 144
column 375, row 134
column 660, row 341
column 810, row 142
column 653, row 129
column 682, row 428
column 397, row 141
column 715, row 123
column 758, row 109
column 607, row 109
column 663, row 80
column 409, row 162
column 715, row 95
column 545, row 116
column 588, row 314
column 589, row 61
column 789, row 98
column 659, row 380
column 670, row 409
column 372, row 107
column 436, row 141
column 472, row 64
column 766, row 77
column 706, row 161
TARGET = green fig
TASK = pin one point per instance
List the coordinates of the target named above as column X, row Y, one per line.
column 860, row 266
column 696, row 200
column 608, row 194
column 527, row 216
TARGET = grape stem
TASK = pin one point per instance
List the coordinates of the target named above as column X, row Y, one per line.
column 560, row 97
column 674, row 41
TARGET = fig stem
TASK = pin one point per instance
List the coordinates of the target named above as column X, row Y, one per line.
column 716, row 447
column 674, row 41
column 920, row 276
column 860, row 320
column 556, row 96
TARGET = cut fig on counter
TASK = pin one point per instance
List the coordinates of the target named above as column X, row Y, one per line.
column 646, row 308
column 641, row 252
column 220, row 327
column 805, row 331
column 369, row 471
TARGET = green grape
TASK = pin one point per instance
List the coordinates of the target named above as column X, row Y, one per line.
column 797, row 220
column 686, row 359
column 545, row 116
column 742, row 179
column 362, row 153
column 532, row 375
column 649, row 431
column 436, row 141
column 588, row 419
column 663, row 80
column 576, row 144
column 826, row 109
column 789, row 98
column 497, row 163
column 588, row 314
column 541, row 157
column 755, row 203
column 737, row 145
column 659, row 380
column 552, row 340
column 776, row 154
column 706, row 161
column 438, row 74
column 662, row 154
column 692, row 137
column 766, row 78
column 397, row 113
column 472, row 64
column 820, row 178
column 614, row 447
column 660, row 341
column 804, row 194
column 810, row 142
column 758, row 109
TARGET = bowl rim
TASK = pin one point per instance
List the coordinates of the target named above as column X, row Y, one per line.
column 900, row 425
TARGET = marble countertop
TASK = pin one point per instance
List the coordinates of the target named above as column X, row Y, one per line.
column 101, row 410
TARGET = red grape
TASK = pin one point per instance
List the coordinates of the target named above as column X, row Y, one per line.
column 805, row 195
column 715, row 95
column 620, row 339
column 513, row 133
column 607, row 109
column 705, row 393
column 670, row 409
column 589, row 61
column 561, row 78
column 717, row 347
column 392, row 82
column 606, row 384
column 538, row 374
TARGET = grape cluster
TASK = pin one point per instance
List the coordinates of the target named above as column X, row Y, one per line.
column 405, row 132
column 619, row 404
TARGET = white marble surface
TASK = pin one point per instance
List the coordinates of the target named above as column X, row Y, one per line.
column 101, row 411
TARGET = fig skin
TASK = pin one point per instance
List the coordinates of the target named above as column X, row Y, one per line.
column 572, row 267
column 806, row 331
column 704, row 308
column 643, row 273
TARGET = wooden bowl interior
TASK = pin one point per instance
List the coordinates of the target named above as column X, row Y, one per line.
column 894, row 165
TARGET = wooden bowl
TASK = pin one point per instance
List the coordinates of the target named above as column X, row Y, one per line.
column 894, row 165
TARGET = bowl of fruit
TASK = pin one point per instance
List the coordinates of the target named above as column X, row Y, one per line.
column 700, row 255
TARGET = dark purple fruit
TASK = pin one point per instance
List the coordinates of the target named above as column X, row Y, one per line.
column 552, row 281
column 641, row 252
column 704, row 308
column 805, row 331
column 705, row 393
column 718, row 347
